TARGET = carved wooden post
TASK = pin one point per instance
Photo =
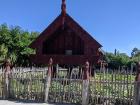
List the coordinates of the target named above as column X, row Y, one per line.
column 48, row 80
column 137, row 87
column 7, row 73
column 85, row 91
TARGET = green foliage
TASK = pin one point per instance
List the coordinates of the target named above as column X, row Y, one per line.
column 135, row 55
column 14, row 44
column 120, row 59
column 135, row 52
column 3, row 52
column 117, row 59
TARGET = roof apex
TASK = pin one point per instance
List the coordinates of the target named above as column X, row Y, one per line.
column 58, row 23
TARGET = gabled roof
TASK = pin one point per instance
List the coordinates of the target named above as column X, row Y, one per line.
column 85, row 36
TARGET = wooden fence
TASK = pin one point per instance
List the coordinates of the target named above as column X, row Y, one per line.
column 71, row 85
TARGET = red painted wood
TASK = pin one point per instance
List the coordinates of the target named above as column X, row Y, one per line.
column 56, row 39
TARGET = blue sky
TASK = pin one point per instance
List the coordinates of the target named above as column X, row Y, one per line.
column 114, row 23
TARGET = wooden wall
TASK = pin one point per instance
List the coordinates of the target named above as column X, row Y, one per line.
column 62, row 40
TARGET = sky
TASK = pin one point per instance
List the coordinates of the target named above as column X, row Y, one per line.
column 115, row 24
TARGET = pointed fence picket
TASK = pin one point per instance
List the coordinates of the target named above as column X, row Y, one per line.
column 106, row 87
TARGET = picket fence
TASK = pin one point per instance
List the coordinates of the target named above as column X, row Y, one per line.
column 67, row 85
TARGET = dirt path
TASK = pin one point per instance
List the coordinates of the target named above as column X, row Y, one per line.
column 6, row 102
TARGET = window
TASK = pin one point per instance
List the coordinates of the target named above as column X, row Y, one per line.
column 68, row 52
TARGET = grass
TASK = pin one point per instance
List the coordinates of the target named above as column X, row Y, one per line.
column 113, row 83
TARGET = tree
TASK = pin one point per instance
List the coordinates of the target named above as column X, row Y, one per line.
column 117, row 60
column 135, row 52
column 14, row 44
column 3, row 52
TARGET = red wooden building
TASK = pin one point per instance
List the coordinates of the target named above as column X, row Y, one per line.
column 66, row 42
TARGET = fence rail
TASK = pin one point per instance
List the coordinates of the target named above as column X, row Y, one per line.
column 106, row 87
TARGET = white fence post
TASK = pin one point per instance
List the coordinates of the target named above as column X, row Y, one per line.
column 85, row 89
column 137, row 87
column 48, row 80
